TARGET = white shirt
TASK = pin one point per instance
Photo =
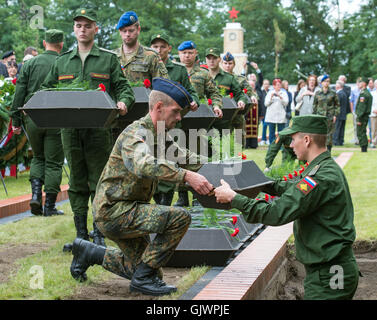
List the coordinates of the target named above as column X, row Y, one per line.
column 275, row 107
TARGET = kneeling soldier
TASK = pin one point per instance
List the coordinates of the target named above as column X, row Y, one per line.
column 122, row 209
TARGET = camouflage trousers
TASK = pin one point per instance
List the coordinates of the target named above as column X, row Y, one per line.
column 130, row 231
column 330, row 132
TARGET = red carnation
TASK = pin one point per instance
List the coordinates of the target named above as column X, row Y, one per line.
column 290, row 176
column 243, row 156
column 14, row 81
column 301, row 170
column 234, row 220
column 257, row 199
column 210, row 102
column 236, row 230
column 296, row 174
column 272, row 197
column 231, row 95
column 245, row 90
column 306, row 164
column 285, row 178
column 266, row 197
column 102, row 87
column 147, row 83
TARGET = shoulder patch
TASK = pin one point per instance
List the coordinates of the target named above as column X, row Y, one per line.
column 306, row 185
column 314, row 170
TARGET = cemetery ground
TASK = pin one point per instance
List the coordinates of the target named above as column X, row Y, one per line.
column 35, row 243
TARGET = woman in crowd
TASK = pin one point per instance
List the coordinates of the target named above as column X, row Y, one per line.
column 300, row 84
column 276, row 102
column 12, row 68
column 306, row 95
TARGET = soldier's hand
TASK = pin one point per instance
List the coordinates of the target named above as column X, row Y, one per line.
column 267, row 169
column 193, row 106
column 224, row 193
column 241, row 105
column 122, row 108
column 198, row 182
column 254, row 100
column 218, row 112
column 16, row 130
column 358, row 123
column 334, row 119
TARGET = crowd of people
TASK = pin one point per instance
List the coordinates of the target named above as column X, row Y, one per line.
column 124, row 176
column 277, row 106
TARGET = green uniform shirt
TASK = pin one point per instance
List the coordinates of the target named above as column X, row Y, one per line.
column 133, row 171
column 145, row 63
column 363, row 106
column 273, row 149
column 31, row 76
column 326, row 104
column 230, row 84
column 205, row 86
column 319, row 203
column 101, row 66
column 177, row 72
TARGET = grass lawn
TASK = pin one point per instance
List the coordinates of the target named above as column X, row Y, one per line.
column 54, row 232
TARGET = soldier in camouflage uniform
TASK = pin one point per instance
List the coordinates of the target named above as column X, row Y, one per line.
column 239, row 121
column 224, row 80
column 204, row 86
column 137, row 61
column 126, row 186
column 177, row 72
column 363, row 109
column 326, row 103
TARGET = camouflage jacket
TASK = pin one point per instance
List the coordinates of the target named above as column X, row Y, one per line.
column 145, row 63
column 326, row 104
column 133, row 169
column 363, row 105
column 205, row 86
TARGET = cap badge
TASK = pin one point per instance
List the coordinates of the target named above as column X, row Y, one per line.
column 83, row 11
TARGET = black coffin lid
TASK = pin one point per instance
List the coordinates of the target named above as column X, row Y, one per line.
column 201, row 118
column 243, row 176
column 229, row 109
column 71, row 109
column 141, row 105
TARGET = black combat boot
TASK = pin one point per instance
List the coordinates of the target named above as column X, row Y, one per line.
column 364, row 149
column 157, row 197
column 85, row 254
column 167, row 198
column 81, row 223
column 145, row 280
column 183, row 200
column 49, row 207
column 36, row 197
column 98, row 237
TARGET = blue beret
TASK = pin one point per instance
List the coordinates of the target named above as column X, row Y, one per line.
column 127, row 19
column 324, row 77
column 186, row 45
column 228, row 57
column 174, row 90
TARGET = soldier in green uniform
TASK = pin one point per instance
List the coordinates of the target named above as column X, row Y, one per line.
column 177, row 72
column 320, row 204
column 87, row 150
column 48, row 157
column 239, row 121
column 273, row 149
column 204, row 86
column 363, row 109
column 126, row 186
column 226, row 81
column 138, row 62
column 326, row 103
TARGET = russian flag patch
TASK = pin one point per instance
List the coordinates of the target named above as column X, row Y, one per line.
column 306, row 185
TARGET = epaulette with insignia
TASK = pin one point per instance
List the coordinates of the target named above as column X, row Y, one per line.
column 178, row 63
column 314, row 170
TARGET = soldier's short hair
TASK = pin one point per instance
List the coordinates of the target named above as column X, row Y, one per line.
column 340, row 82
column 157, row 96
column 319, row 139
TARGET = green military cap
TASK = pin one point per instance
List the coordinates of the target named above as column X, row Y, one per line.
column 162, row 36
column 89, row 14
column 54, row 36
column 213, row 51
column 364, row 79
column 312, row 123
